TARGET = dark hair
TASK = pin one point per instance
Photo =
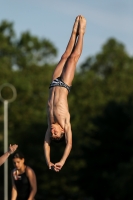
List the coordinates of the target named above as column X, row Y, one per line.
column 17, row 154
column 59, row 139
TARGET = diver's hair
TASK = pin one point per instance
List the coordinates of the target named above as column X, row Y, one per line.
column 58, row 140
column 18, row 154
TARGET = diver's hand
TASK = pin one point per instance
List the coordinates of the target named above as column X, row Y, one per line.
column 51, row 166
column 58, row 166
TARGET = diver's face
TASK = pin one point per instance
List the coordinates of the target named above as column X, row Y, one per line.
column 56, row 131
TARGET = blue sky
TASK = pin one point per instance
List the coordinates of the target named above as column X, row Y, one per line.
column 53, row 19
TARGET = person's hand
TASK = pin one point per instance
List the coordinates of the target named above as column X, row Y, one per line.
column 12, row 148
column 58, row 166
column 51, row 166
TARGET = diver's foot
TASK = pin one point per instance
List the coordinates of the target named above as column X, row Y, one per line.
column 82, row 25
column 75, row 26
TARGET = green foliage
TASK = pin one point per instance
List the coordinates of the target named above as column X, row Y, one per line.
column 7, row 49
column 24, row 52
column 111, row 59
column 33, row 51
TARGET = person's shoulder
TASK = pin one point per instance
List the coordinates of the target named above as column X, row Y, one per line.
column 29, row 170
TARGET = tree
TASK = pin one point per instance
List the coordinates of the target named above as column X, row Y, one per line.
column 111, row 59
column 26, row 51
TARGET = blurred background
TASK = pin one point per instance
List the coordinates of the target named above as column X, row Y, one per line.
column 33, row 36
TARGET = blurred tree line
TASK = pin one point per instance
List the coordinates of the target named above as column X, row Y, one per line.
column 100, row 165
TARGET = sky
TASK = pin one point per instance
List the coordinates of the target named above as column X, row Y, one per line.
column 53, row 20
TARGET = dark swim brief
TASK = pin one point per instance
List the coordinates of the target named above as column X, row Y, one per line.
column 60, row 83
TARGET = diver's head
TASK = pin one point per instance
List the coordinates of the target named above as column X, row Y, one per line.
column 57, row 133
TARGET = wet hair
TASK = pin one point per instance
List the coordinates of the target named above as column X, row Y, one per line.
column 59, row 139
column 18, row 154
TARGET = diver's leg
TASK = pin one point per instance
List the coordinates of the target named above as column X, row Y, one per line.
column 70, row 66
column 68, row 51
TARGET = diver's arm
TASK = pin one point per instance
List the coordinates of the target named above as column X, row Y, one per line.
column 47, row 149
column 67, row 150
column 68, row 137
column 47, row 146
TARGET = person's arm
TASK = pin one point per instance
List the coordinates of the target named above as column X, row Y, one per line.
column 33, row 183
column 14, row 191
column 47, row 149
column 11, row 150
column 68, row 147
column 4, row 157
